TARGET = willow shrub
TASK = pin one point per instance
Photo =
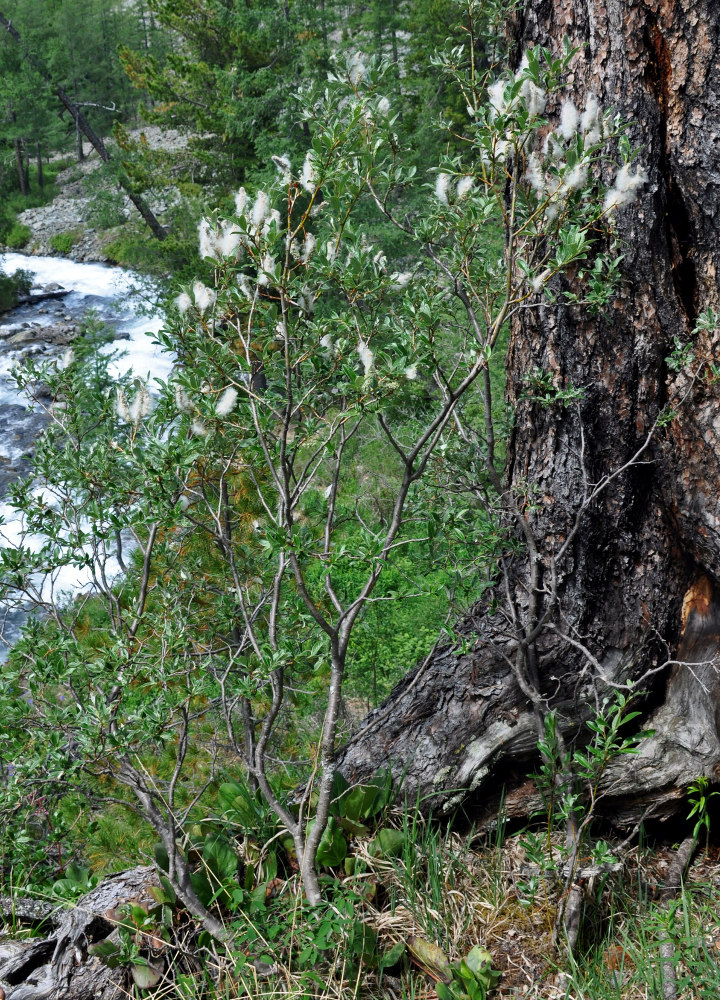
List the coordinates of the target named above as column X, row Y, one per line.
column 236, row 480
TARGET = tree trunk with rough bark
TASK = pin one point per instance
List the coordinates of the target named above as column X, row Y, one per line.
column 638, row 589
column 20, row 163
column 39, row 161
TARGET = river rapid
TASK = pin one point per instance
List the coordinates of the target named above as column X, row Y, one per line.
column 91, row 286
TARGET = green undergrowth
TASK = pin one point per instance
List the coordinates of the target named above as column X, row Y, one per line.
column 12, row 233
column 394, row 635
column 62, row 242
column 137, row 249
column 413, row 909
column 621, row 961
column 13, row 285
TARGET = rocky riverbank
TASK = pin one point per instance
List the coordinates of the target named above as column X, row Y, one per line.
column 71, row 213
column 42, row 323
column 66, row 214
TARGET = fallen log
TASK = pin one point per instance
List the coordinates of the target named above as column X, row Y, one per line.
column 32, row 297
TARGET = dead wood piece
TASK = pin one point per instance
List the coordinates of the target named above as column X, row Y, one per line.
column 673, row 884
column 33, row 297
column 86, row 922
column 38, row 986
column 29, row 911
column 21, row 966
column 677, row 869
column 60, row 966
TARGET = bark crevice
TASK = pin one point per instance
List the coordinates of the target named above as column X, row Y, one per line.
column 682, row 240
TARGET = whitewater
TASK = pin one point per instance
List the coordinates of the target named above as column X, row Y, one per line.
column 111, row 293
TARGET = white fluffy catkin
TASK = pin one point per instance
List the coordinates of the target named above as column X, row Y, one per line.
column 226, row 402
column 366, row 357
column 569, row 118
column 442, row 183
